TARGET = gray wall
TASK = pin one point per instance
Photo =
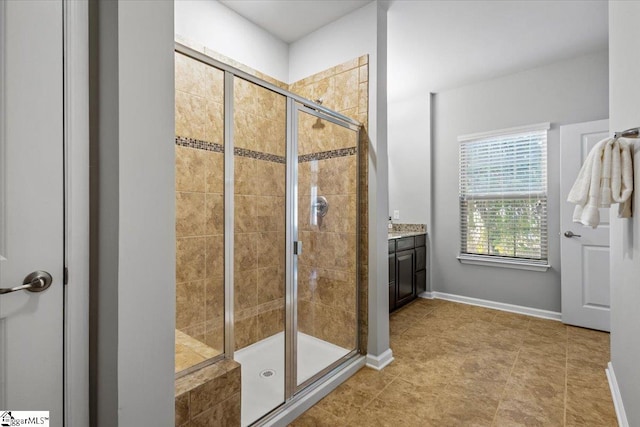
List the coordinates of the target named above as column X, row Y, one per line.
column 409, row 158
column 566, row 92
column 133, row 264
column 624, row 37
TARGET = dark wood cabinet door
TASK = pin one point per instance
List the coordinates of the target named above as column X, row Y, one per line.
column 421, row 258
column 405, row 277
column 421, row 281
column 392, row 268
column 392, row 296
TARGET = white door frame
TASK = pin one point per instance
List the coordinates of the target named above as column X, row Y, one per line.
column 76, row 155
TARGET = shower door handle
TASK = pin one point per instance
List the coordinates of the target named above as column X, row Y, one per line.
column 297, row 247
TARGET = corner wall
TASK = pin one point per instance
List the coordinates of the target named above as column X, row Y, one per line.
column 624, row 42
column 410, row 159
column 570, row 91
column 133, row 273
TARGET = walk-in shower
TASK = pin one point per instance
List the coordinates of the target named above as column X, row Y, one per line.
column 267, row 226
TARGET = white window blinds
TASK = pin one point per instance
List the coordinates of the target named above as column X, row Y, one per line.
column 503, row 194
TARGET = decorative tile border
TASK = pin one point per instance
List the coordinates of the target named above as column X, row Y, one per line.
column 199, row 145
column 325, row 155
column 245, row 152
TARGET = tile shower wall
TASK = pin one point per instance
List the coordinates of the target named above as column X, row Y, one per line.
column 328, row 166
column 199, row 211
column 260, row 178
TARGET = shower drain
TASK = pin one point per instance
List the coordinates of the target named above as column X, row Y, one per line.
column 267, row 373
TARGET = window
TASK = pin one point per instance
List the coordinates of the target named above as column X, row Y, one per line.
column 503, row 196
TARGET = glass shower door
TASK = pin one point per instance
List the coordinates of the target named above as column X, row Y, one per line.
column 326, row 309
column 260, row 164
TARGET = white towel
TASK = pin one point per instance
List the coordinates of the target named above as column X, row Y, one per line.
column 605, row 177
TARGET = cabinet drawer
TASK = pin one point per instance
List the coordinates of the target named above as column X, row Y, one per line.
column 421, row 240
column 405, row 243
column 392, row 246
column 421, row 258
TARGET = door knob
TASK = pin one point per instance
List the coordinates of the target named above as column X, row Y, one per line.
column 570, row 234
column 37, row 281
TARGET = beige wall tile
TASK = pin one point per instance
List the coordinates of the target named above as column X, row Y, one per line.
column 190, row 75
column 363, row 98
column 270, row 323
column 226, row 413
column 346, row 90
column 191, row 115
column 214, row 125
column 189, row 304
column 182, row 409
column 363, row 73
column 245, row 213
column 245, row 175
column 214, row 85
column 190, row 169
column 214, row 255
column 214, row 290
column 190, row 256
column 214, row 391
column 214, row 172
column 270, row 249
column 214, row 213
column 190, row 218
column 245, row 289
column 245, row 129
column 271, row 283
column 270, row 213
column 246, row 332
column 245, row 248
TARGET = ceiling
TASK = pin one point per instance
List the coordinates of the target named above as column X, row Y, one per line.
column 290, row 20
column 438, row 45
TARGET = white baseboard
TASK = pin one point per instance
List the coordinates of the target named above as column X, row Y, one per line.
column 379, row 362
column 617, row 398
column 519, row 309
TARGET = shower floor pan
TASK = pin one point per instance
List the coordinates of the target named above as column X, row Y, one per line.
column 263, row 370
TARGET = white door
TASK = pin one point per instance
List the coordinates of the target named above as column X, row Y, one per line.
column 31, row 205
column 584, row 250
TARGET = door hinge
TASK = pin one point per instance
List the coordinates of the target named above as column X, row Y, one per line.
column 65, row 276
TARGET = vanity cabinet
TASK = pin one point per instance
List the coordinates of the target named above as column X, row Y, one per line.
column 407, row 269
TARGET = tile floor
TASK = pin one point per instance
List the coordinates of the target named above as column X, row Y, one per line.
column 461, row 365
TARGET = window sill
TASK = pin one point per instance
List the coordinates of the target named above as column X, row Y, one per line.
column 501, row 262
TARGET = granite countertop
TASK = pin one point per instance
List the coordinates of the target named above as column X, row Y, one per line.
column 398, row 235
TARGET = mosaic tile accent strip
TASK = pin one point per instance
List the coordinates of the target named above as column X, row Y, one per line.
column 325, row 155
column 244, row 152
column 199, row 145
column 409, row 228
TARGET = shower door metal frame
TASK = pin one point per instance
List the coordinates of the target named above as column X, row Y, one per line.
column 295, row 105
column 292, row 387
